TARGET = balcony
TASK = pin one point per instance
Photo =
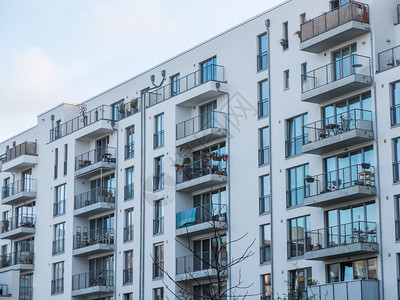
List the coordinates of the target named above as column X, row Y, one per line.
column 344, row 240
column 339, row 131
column 201, row 219
column 98, row 284
column 347, row 290
column 95, row 162
column 19, row 191
column 18, row 226
column 200, row 266
column 340, row 186
column 95, row 201
column 389, row 59
column 20, row 157
column 336, row 79
column 94, row 124
column 93, row 242
column 202, row 129
column 191, row 89
column 201, row 174
column 17, row 261
column 335, row 27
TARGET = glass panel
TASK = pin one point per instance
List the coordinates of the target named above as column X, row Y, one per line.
column 360, row 270
column 333, row 273
column 372, row 268
column 347, row 271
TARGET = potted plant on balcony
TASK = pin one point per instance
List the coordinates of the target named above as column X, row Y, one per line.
column 134, row 103
column 224, row 157
column 121, row 107
column 310, row 179
column 177, row 167
column 216, row 157
column 6, row 224
column 205, row 156
column 317, row 247
column 186, row 162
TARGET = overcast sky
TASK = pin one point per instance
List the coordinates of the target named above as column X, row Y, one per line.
column 54, row 51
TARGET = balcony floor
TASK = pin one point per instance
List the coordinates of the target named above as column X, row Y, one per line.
column 94, row 209
column 342, row 251
column 93, row 290
column 201, row 183
column 17, row 233
column 18, row 198
column 93, row 249
column 202, row 228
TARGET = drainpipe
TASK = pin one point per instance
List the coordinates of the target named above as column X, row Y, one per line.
column 116, row 220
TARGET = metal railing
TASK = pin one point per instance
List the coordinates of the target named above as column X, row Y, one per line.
column 18, row 221
column 265, row 253
column 158, row 225
column 389, row 59
column 93, row 278
column 15, row 258
column 97, row 195
column 130, row 150
column 93, row 237
column 129, row 191
column 199, row 262
column 211, row 119
column 264, row 204
column 99, row 154
column 28, row 185
column 103, row 112
column 201, row 214
column 208, row 73
column 395, row 114
column 296, row 247
column 361, row 174
column 59, row 246
column 295, row 196
column 338, row 124
column 26, row 148
column 263, row 156
column 262, row 61
column 128, row 233
column 200, row 168
column 344, row 234
column 353, row 11
column 158, row 139
column 294, row 145
column 25, row 293
column 57, row 285
column 263, row 108
column 337, row 70
column 124, row 110
column 127, row 276
column 59, row 208
column 158, row 182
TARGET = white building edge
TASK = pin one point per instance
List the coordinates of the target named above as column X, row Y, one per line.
column 97, row 195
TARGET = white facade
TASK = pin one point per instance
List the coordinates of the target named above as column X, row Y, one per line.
column 333, row 78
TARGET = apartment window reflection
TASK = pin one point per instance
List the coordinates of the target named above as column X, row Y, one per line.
column 158, row 131
column 265, row 249
column 158, row 178
column 296, row 135
column 395, row 103
column 262, row 52
column 298, row 188
column 297, row 235
column 175, row 82
column 208, row 70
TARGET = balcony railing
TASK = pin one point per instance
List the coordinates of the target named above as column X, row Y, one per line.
column 158, row 182
column 158, row 139
column 200, row 168
column 264, row 204
column 339, row 235
column 127, row 275
column 129, row 191
column 363, row 174
column 59, row 208
column 23, row 185
column 262, row 61
column 353, row 11
column 18, row 221
column 263, row 156
column 129, row 150
column 389, row 59
column 294, row 145
column 15, row 258
column 100, row 154
column 209, row 73
column 395, row 114
column 263, row 108
column 26, row 148
column 211, row 119
column 342, row 68
column 158, row 225
column 199, row 262
column 295, row 196
column 128, row 233
column 124, row 110
column 201, row 214
column 93, row 237
column 97, row 195
column 57, row 285
column 59, row 246
column 337, row 124
column 103, row 112
column 92, row 279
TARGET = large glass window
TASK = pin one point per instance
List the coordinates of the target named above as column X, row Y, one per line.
column 265, row 249
column 59, row 201
column 264, row 197
column 158, row 294
column 208, row 115
column 158, row 264
column 262, row 52
column 130, row 142
column 298, row 281
column 129, row 186
column 353, row 270
column 158, row 220
column 26, row 287
column 55, row 163
column 266, row 289
column 344, row 61
column 395, row 108
column 175, row 89
column 57, row 285
column 158, row 131
column 208, row 70
column 128, row 230
column 296, row 135
column 210, row 206
column 263, row 94
column 128, row 267
column 297, row 235
column 298, row 188
column 59, row 238
column 263, row 150
column 158, row 181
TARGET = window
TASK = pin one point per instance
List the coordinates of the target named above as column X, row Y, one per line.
column 296, row 135
column 158, row 264
column 262, row 52
column 57, row 284
column 158, row 179
column 298, row 188
column 286, row 81
column 158, row 131
column 397, row 216
column 265, row 249
column 59, row 201
column 344, row 60
column 285, row 36
column 103, row 270
column 59, row 238
column 158, row 221
column 298, row 228
column 65, row 159
column 129, row 187
column 128, row 230
column 263, row 95
column 208, row 115
column 7, row 187
column 128, row 296
column 175, row 81
column 57, row 131
column 55, row 163
column 26, row 287
column 336, row 3
column 264, row 194
column 204, row 256
column 128, row 267
column 263, row 150
column 208, row 291
column 208, row 70
column 298, row 281
column 266, row 291
column 158, row 294
column 395, row 108
column 353, row 270
column 130, row 142
column 303, row 72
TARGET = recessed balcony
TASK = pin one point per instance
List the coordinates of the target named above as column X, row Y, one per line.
column 19, row 191
column 339, row 131
column 93, row 242
column 100, row 284
column 202, row 129
column 17, row 261
column 201, row 219
column 95, row 162
column 348, row 74
column 20, row 157
column 347, row 290
column 339, row 186
column 18, row 226
column 95, row 201
column 343, row 240
column 335, row 27
column 201, row 174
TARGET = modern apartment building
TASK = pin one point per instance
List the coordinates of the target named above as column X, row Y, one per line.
column 280, row 134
